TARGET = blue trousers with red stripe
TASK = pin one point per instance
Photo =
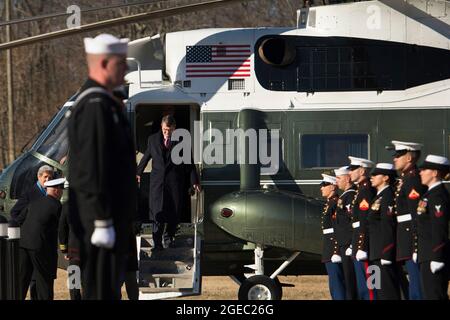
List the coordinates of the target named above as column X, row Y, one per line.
column 364, row 293
column 336, row 280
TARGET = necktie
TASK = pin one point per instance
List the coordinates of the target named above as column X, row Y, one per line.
column 166, row 143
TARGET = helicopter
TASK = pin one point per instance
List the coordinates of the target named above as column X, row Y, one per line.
column 346, row 81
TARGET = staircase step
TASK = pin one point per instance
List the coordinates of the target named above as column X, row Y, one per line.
column 158, row 290
column 164, row 266
column 170, row 254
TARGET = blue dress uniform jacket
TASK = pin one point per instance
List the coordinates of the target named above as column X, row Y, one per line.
column 360, row 210
column 330, row 244
column 407, row 197
column 432, row 225
column 433, row 214
column 344, row 228
column 382, row 225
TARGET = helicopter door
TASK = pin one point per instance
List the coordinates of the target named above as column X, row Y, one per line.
column 175, row 270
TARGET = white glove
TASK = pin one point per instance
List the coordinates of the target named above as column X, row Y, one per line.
column 436, row 266
column 104, row 235
column 348, row 252
column 414, row 257
column 385, row 262
column 336, row 258
column 361, row 255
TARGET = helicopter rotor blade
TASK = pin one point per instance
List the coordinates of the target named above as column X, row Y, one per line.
column 62, row 14
column 163, row 13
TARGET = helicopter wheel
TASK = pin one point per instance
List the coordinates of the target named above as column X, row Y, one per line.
column 260, row 288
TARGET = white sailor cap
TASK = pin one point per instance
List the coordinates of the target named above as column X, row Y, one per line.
column 327, row 180
column 359, row 162
column 436, row 163
column 402, row 147
column 55, row 183
column 341, row 171
column 106, row 44
column 386, row 169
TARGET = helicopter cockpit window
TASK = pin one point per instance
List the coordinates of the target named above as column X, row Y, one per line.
column 56, row 144
column 331, row 150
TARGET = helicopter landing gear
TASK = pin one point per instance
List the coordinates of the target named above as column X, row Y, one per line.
column 258, row 286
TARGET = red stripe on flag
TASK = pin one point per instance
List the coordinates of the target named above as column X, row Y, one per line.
column 217, row 65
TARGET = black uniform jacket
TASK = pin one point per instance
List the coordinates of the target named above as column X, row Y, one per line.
column 102, row 167
column 167, row 180
column 344, row 217
column 68, row 242
column 28, row 196
column 407, row 196
column 360, row 210
column 382, row 226
column 39, row 231
column 330, row 245
column 432, row 225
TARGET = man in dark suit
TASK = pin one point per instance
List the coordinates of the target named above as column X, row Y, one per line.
column 36, row 191
column 38, row 244
column 167, row 182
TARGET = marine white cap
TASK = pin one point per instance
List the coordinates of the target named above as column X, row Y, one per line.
column 55, row 182
column 360, row 162
column 341, row 171
column 409, row 146
column 328, row 179
column 434, row 162
column 437, row 159
column 106, row 44
column 387, row 169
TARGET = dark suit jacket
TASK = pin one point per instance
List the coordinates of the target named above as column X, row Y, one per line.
column 39, row 231
column 28, row 196
column 167, row 180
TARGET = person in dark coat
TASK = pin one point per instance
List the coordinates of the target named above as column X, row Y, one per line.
column 344, row 229
column 407, row 196
column 382, row 230
column 36, row 191
column 39, row 241
column 102, row 170
column 359, row 171
column 167, row 182
column 433, row 214
column 69, row 245
column 330, row 252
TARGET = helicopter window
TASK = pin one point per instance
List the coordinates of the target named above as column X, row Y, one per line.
column 331, row 150
column 56, row 144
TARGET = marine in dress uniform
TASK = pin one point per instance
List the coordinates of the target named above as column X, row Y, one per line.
column 167, row 182
column 102, row 171
column 344, row 230
column 39, row 242
column 407, row 196
column 330, row 253
column 382, row 230
column 433, row 214
column 359, row 170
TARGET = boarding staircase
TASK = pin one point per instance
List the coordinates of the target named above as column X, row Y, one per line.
column 175, row 270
